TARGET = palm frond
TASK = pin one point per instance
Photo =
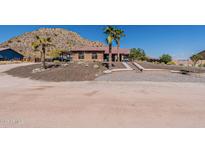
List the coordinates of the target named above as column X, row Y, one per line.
column 118, row 35
column 35, row 45
column 109, row 39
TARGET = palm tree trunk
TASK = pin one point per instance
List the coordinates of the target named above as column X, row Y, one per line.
column 118, row 51
column 110, row 56
column 43, row 59
column 41, row 56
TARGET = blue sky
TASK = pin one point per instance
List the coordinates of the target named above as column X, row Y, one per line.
column 179, row 41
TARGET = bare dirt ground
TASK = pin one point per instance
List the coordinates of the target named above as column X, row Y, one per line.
column 31, row 103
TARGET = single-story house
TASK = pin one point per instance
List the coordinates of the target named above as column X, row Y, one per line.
column 10, row 54
column 96, row 54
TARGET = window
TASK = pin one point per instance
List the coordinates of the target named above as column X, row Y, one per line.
column 94, row 55
column 81, row 55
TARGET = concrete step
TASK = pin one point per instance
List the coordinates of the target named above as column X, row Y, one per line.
column 133, row 67
column 127, row 66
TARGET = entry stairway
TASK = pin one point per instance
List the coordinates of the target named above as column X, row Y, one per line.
column 134, row 67
column 129, row 66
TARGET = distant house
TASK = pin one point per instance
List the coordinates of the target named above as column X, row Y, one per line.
column 10, row 54
column 96, row 54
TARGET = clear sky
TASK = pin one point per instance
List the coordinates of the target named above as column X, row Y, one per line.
column 179, row 41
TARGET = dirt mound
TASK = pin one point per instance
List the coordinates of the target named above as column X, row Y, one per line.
column 70, row 72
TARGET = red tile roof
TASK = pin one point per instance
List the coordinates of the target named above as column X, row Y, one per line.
column 105, row 49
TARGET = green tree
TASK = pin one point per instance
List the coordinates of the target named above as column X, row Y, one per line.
column 137, row 54
column 40, row 45
column 165, row 58
column 110, row 32
column 118, row 35
column 195, row 58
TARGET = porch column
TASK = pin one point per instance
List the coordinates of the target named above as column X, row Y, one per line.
column 122, row 57
column 115, row 57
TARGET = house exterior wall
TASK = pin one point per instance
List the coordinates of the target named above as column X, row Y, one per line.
column 74, row 56
column 9, row 54
column 87, row 56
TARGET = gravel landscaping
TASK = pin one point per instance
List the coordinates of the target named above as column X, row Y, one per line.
column 68, row 72
column 77, row 71
column 155, row 76
column 94, row 71
column 149, row 65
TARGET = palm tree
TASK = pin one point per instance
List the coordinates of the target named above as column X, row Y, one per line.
column 118, row 35
column 41, row 44
column 110, row 31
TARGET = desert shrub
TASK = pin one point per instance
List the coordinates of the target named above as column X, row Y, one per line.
column 155, row 62
column 202, row 65
column 56, row 63
column 171, row 63
column 165, row 58
column 55, row 53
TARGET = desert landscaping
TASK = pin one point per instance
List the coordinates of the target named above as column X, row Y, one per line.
column 35, row 103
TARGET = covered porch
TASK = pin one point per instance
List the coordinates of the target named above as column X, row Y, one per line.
column 115, row 57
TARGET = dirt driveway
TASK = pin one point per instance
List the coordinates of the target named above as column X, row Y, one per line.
column 30, row 103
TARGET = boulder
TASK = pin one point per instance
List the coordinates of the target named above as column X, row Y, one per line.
column 64, row 65
column 38, row 70
column 107, row 71
column 80, row 62
column 96, row 66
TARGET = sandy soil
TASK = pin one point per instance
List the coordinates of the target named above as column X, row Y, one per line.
column 31, row 103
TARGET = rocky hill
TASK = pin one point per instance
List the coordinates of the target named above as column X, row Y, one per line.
column 202, row 53
column 61, row 38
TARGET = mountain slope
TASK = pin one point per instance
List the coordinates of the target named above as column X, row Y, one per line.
column 202, row 53
column 61, row 38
